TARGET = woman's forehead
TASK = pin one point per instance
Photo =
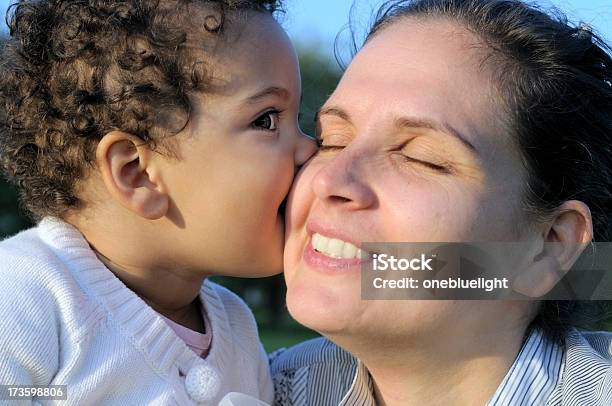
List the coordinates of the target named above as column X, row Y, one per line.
column 423, row 70
column 424, row 52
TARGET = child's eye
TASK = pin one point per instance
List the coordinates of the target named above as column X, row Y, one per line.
column 268, row 121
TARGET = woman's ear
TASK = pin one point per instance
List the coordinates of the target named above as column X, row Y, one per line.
column 130, row 176
column 561, row 244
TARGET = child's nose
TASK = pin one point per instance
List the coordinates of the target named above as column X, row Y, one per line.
column 305, row 148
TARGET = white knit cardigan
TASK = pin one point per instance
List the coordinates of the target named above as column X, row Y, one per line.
column 65, row 319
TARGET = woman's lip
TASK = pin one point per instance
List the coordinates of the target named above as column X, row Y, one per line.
column 314, row 226
column 323, row 263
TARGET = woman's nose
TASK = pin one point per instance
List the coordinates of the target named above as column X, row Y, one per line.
column 305, row 148
column 340, row 182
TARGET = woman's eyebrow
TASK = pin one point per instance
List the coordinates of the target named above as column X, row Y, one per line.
column 404, row 122
column 419, row 122
column 333, row 111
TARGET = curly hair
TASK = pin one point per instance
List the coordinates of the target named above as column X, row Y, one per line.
column 72, row 71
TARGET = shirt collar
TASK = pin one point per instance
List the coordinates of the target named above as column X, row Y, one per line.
column 533, row 375
column 362, row 389
column 529, row 381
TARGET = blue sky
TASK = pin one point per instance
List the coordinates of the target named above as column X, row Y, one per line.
column 317, row 22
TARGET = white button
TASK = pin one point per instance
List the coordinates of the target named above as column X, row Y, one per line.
column 203, row 383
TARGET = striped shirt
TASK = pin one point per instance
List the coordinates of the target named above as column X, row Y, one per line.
column 579, row 373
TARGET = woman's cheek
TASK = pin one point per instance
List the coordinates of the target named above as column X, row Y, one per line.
column 420, row 210
column 300, row 198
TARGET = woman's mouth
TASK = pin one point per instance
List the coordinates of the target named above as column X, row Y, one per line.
column 334, row 248
column 328, row 254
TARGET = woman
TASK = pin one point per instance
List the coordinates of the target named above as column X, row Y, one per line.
column 475, row 120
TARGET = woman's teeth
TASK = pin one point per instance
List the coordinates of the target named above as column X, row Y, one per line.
column 334, row 248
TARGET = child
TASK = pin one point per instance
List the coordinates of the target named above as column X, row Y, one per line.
column 155, row 141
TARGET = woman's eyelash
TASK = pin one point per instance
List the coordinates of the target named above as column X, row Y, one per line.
column 429, row 165
column 319, row 140
column 330, row 147
column 435, row 167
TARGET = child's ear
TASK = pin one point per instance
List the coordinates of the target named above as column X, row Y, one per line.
column 130, row 175
column 560, row 246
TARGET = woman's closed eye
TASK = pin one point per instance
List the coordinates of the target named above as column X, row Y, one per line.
column 329, row 143
column 424, row 155
column 267, row 121
column 328, row 146
column 430, row 165
column 323, row 147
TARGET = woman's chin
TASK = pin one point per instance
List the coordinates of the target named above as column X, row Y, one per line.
column 321, row 309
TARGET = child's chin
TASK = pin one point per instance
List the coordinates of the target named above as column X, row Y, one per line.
column 270, row 267
column 259, row 267
column 267, row 273
column 257, row 273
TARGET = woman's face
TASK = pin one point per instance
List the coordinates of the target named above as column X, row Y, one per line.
column 413, row 150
